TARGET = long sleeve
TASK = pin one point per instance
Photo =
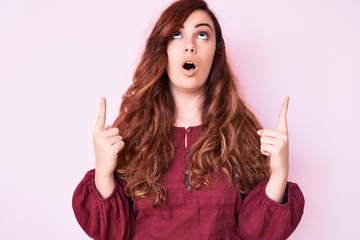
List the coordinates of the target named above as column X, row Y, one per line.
column 261, row 218
column 109, row 218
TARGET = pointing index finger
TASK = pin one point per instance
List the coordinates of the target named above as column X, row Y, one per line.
column 282, row 122
column 100, row 123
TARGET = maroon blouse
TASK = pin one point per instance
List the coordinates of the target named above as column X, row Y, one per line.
column 218, row 212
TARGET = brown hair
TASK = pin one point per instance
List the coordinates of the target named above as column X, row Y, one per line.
column 228, row 143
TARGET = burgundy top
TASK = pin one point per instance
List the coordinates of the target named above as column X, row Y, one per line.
column 218, row 212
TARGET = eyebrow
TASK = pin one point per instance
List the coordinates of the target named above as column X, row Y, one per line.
column 201, row 25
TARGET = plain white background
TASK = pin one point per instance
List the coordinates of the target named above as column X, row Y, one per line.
column 57, row 58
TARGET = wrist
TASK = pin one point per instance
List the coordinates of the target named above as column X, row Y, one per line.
column 104, row 184
column 103, row 177
column 276, row 186
column 280, row 175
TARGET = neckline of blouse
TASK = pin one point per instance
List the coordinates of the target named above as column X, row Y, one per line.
column 189, row 127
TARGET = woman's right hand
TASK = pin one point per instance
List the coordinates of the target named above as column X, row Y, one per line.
column 107, row 144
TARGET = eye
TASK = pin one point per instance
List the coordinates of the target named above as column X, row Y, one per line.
column 203, row 36
column 176, row 35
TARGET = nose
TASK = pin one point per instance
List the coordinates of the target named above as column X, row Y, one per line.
column 190, row 48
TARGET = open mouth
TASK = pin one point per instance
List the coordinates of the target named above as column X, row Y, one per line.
column 189, row 66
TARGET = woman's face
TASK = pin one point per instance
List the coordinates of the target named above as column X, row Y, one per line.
column 191, row 52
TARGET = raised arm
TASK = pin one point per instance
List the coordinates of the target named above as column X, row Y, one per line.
column 273, row 209
column 107, row 144
column 99, row 201
column 275, row 144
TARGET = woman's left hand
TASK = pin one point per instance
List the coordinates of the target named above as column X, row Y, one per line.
column 275, row 143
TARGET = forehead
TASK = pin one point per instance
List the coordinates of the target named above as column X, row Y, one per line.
column 198, row 16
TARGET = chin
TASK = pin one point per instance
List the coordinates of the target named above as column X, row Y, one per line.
column 193, row 88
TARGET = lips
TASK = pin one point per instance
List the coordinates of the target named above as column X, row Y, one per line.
column 189, row 68
column 189, row 65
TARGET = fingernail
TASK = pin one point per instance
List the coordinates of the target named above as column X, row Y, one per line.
column 259, row 132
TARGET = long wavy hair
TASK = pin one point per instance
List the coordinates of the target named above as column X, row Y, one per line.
column 228, row 143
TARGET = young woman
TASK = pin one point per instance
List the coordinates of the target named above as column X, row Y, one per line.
column 186, row 158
